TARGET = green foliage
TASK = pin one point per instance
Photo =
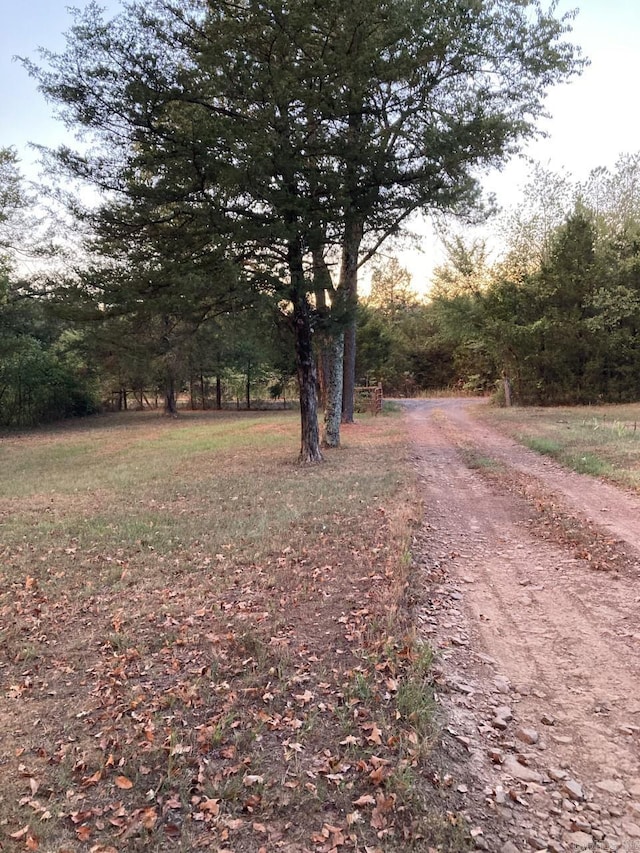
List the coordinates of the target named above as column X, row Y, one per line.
column 561, row 323
column 235, row 140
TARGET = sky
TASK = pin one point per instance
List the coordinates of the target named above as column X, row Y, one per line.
column 594, row 118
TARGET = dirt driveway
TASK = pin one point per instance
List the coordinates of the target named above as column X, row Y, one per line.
column 539, row 650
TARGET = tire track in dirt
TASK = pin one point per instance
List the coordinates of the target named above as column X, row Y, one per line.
column 548, row 636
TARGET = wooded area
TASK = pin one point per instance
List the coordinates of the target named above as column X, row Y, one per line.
column 235, row 168
column 555, row 320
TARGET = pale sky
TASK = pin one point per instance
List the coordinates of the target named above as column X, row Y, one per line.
column 594, row 119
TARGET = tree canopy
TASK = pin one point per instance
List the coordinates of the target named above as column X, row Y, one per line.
column 237, row 147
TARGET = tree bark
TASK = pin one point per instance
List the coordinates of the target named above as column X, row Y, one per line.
column 305, row 359
column 333, row 405
column 218, row 391
column 322, row 343
column 330, row 351
column 348, row 288
column 507, row 390
column 170, row 403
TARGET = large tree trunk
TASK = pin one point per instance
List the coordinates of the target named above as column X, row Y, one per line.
column 349, row 293
column 170, row 402
column 305, row 360
column 330, row 351
column 322, row 338
column 333, row 404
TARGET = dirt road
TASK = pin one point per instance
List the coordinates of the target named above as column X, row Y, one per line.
column 539, row 651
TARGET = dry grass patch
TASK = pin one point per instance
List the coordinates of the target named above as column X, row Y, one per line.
column 603, row 441
column 203, row 645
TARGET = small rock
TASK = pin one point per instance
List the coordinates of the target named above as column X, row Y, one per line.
column 496, row 756
column 598, row 834
column 499, row 723
column 556, row 774
column 537, row 843
column 518, row 771
column 508, row 847
column 501, row 684
column 580, row 839
column 580, row 825
column 562, row 739
column 611, row 786
column 526, row 735
column 614, row 811
column 547, row 720
column 555, row 847
column 504, row 713
column 573, row 789
column 635, row 808
column 631, row 829
column 462, row 687
column 634, row 788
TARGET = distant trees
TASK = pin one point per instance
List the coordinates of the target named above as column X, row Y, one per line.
column 40, row 376
column 556, row 320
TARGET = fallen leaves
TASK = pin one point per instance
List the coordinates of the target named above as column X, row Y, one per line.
column 222, row 704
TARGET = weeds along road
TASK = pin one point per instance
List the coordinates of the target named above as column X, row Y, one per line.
column 539, row 651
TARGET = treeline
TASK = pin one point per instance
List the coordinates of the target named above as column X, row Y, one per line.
column 58, row 359
column 556, row 320
column 244, row 161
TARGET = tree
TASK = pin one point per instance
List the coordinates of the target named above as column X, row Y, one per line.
column 270, row 126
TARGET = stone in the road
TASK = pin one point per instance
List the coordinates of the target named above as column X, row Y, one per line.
column 611, row 786
column 573, row 789
column 526, row 774
column 547, row 720
column 631, row 828
column 565, row 739
column 508, row 847
column 501, row 684
column 557, row 775
column 526, row 735
column 580, row 839
column 504, row 713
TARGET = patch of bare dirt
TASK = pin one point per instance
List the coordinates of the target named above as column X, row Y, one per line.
column 538, row 651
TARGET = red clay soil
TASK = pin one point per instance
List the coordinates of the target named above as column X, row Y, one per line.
column 539, row 650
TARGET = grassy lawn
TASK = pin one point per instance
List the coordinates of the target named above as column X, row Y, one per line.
column 203, row 645
column 600, row 440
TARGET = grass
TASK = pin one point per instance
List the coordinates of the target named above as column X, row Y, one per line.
column 603, row 441
column 204, row 645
